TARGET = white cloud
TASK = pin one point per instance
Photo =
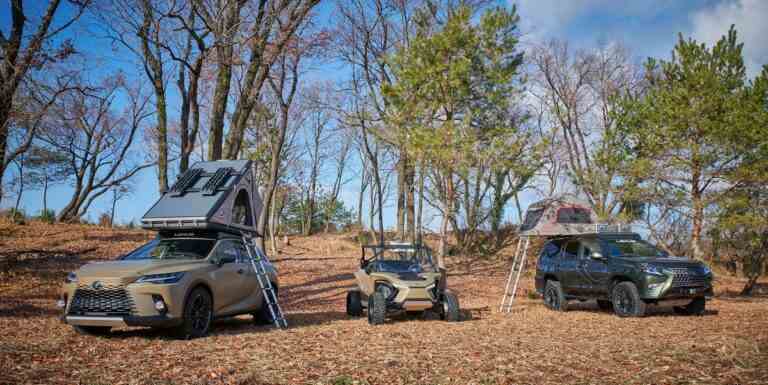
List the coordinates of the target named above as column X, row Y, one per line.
column 749, row 16
column 542, row 17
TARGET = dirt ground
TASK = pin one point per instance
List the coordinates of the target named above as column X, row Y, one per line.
column 323, row 345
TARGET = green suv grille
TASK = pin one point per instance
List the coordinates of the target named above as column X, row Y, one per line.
column 108, row 300
column 685, row 277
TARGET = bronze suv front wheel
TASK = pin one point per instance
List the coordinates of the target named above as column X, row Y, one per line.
column 198, row 314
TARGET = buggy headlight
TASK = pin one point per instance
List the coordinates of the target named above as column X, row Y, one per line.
column 161, row 278
column 386, row 290
column 71, row 278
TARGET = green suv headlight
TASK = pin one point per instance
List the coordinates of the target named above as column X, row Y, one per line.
column 705, row 270
column 71, row 278
column 161, row 278
column 652, row 270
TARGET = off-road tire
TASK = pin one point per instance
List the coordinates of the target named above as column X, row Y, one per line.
column 450, row 307
column 263, row 316
column 604, row 304
column 554, row 297
column 354, row 305
column 696, row 307
column 377, row 309
column 626, row 300
column 197, row 315
column 92, row 330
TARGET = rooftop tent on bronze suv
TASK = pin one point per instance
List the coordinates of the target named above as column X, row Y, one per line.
column 216, row 196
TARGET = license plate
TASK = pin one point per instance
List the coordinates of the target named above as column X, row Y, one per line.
column 692, row 291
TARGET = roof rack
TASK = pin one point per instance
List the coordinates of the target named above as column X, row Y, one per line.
column 612, row 228
column 186, row 181
column 217, row 179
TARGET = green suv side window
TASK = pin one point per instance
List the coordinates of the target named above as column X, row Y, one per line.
column 587, row 248
column 571, row 250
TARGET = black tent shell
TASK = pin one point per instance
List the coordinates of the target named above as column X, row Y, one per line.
column 216, row 195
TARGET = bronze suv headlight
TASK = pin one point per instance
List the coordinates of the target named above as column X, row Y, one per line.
column 161, row 278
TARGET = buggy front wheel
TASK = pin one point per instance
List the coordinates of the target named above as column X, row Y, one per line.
column 450, row 307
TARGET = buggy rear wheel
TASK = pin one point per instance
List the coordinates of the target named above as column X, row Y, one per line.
column 354, row 305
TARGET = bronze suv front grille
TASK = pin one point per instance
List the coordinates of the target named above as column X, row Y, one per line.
column 106, row 300
column 686, row 277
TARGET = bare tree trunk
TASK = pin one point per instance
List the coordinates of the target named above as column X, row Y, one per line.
column 361, row 196
column 410, row 210
column 224, row 30
column 153, row 66
column 272, row 225
column 401, row 195
column 20, row 165
column 447, row 212
column 45, row 193
column 697, row 217
column 374, row 161
column 114, row 204
column 419, row 219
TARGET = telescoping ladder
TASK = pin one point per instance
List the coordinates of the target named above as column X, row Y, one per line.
column 515, row 272
column 267, row 290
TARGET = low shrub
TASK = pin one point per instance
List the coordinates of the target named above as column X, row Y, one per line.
column 47, row 216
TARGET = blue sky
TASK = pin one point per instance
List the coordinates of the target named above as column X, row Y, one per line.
column 647, row 28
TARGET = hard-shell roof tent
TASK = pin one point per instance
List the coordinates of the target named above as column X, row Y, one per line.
column 558, row 217
column 217, row 195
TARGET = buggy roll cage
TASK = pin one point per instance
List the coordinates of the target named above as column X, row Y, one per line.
column 378, row 250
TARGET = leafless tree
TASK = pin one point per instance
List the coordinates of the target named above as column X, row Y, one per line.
column 98, row 141
column 577, row 91
column 22, row 52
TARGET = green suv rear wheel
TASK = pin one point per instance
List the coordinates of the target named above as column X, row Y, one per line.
column 626, row 300
column 554, row 297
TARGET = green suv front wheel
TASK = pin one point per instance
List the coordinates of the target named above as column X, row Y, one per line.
column 626, row 300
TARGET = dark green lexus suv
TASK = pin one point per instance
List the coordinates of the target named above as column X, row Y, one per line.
column 621, row 271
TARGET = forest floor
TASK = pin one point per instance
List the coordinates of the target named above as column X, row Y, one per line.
column 728, row 345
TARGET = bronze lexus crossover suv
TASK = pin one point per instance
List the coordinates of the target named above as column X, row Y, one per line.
column 181, row 280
